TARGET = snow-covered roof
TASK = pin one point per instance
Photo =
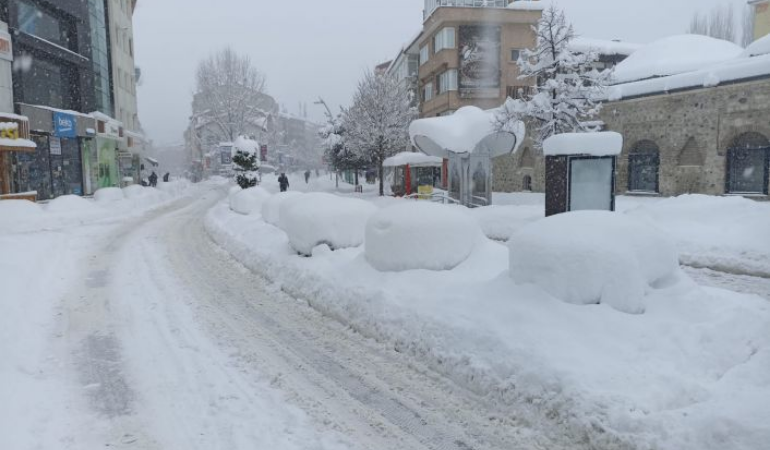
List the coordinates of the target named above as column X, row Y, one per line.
column 674, row 55
column 413, row 160
column 603, row 46
column 606, row 143
column 736, row 69
column 462, row 132
column 527, row 5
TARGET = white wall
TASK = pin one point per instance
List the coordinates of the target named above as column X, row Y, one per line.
column 123, row 66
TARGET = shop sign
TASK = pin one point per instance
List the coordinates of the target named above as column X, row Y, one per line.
column 55, row 145
column 64, row 125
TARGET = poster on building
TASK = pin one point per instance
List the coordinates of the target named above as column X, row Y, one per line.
column 480, row 54
column 55, row 145
column 226, row 155
column 263, row 153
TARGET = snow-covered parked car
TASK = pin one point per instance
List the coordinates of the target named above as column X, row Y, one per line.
column 314, row 219
column 248, row 201
column 593, row 257
column 418, row 235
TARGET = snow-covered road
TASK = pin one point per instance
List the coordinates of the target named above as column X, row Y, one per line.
column 177, row 346
column 745, row 284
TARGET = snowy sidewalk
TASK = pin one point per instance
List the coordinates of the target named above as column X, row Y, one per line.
column 690, row 374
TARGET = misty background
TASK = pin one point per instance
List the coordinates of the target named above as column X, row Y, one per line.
column 312, row 49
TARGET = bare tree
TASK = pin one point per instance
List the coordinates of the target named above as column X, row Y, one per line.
column 747, row 26
column 377, row 125
column 229, row 92
column 718, row 23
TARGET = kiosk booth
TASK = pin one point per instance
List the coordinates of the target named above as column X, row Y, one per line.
column 580, row 171
column 413, row 173
column 468, row 141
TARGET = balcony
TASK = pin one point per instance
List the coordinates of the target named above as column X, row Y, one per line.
column 432, row 5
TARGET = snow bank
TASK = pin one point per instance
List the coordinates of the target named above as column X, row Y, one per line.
column 13, row 210
column 608, row 143
column 499, row 223
column 723, row 233
column 248, row 201
column 603, row 46
column 109, row 195
column 314, row 219
column 759, row 47
column 69, row 204
column 418, row 235
column 594, row 257
column 271, row 209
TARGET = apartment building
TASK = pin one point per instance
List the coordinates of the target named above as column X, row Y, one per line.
column 761, row 22
column 121, row 30
column 467, row 52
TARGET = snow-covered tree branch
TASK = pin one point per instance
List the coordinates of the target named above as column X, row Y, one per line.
column 568, row 84
column 377, row 125
column 230, row 90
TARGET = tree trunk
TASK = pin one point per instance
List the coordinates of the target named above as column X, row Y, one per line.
column 382, row 181
column 356, row 177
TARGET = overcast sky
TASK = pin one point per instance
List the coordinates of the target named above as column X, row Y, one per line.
column 320, row 48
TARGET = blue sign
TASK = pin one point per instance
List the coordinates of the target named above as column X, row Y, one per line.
column 65, row 125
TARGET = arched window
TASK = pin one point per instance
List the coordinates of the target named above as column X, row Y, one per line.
column 526, row 184
column 747, row 164
column 644, row 167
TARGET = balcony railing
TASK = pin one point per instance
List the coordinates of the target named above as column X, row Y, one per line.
column 432, row 5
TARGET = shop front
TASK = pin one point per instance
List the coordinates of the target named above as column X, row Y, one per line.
column 14, row 139
column 108, row 145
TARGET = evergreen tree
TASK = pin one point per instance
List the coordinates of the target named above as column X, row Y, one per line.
column 568, row 89
column 246, row 167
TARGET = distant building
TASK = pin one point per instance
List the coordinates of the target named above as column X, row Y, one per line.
column 761, row 17
column 468, row 53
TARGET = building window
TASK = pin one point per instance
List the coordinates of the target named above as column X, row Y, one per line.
column 444, row 39
column 44, row 25
column 424, row 54
column 427, row 92
column 447, row 81
column 519, row 92
column 516, row 54
column 747, row 165
column 644, row 167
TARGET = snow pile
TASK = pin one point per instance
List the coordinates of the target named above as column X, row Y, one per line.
column 271, row 208
column 759, row 47
column 674, row 55
column 109, row 195
column 314, row 219
column 69, row 204
column 594, row 258
column 499, row 223
column 527, row 5
column 602, row 46
column 246, row 145
column 177, row 187
column 606, row 143
column 723, row 233
column 462, row 132
column 417, row 235
column 17, row 212
column 248, row 201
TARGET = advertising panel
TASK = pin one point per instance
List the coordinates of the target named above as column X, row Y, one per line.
column 480, row 55
column 64, row 125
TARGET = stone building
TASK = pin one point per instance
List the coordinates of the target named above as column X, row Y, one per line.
column 705, row 130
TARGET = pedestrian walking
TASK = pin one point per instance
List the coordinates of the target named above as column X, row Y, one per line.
column 166, row 177
column 153, row 179
column 283, row 182
column 307, row 176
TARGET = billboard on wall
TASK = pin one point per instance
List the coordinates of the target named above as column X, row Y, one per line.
column 480, row 55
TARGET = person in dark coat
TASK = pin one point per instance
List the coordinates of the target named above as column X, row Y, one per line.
column 166, row 177
column 307, row 176
column 153, row 179
column 283, row 182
